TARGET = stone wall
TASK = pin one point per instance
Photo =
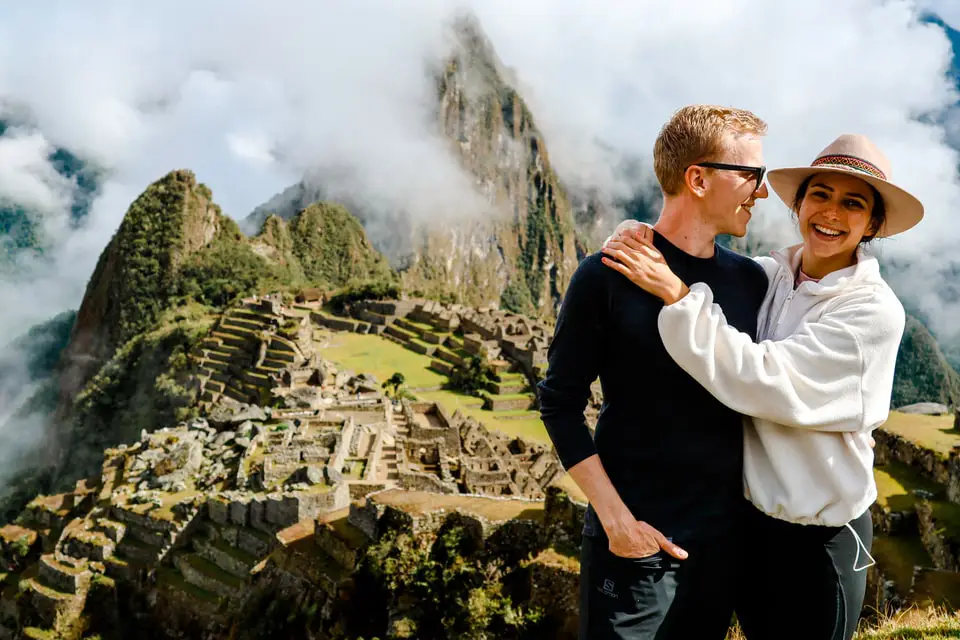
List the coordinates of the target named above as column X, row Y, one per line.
column 942, row 547
column 343, row 445
column 365, row 516
column 418, row 481
column 563, row 516
column 931, row 465
column 373, row 459
column 448, row 433
column 335, row 546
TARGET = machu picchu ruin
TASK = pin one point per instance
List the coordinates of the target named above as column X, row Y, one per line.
column 289, row 446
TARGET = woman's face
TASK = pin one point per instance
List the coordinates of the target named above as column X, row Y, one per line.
column 835, row 215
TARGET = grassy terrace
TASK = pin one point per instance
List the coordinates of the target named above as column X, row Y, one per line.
column 204, row 566
column 497, row 510
column 896, row 483
column 373, row 354
column 366, row 353
column 171, row 577
column 237, row 554
column 931, row 432
column 354, row 538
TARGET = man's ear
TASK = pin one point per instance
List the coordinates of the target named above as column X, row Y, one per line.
column 696, row 180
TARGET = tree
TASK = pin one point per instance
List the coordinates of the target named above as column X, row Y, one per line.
column 395, row 381
column 470, row 378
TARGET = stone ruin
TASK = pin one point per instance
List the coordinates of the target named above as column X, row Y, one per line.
column 195, row 509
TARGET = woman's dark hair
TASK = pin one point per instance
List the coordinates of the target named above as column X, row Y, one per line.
column 877, row 217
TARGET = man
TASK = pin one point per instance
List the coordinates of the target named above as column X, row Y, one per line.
column 663, row 474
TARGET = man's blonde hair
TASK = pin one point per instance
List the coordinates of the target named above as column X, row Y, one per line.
column 695, row 134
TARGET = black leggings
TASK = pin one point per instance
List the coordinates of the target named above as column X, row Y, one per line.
column 803, row 581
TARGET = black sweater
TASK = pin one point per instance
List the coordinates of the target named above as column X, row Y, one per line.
column 673, row 452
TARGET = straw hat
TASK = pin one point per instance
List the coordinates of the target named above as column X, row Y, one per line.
column 858, row 156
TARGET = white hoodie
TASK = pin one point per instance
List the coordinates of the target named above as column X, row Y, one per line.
column 816, row 383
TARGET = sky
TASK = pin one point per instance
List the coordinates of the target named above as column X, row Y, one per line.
column 251, row 97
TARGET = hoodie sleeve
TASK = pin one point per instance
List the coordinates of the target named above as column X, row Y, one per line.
column 834, row 374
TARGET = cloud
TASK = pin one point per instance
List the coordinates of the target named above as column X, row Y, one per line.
column 27, row 179
column 602, row 82
column 253, row 97
column 947, row 10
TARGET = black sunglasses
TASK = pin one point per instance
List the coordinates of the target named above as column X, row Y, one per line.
column 758, row 172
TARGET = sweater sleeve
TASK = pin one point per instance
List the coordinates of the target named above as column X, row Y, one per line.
column 833, row 374
column 573, row 365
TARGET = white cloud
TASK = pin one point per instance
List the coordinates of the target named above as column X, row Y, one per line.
column 250, row 97
column 947, row 10
column 27, row 179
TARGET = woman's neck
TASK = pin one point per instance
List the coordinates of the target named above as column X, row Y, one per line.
column 817, row 268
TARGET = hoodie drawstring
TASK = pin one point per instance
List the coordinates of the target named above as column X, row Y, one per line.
column 860, row 546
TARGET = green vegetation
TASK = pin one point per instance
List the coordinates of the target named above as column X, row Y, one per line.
column 333, row 249
column 930, row 432
column 380, row 357
column 383, row 289
column 145, row 251
column 229, row 269
column 446, row 587
column 395, row 381
column 923, row 373
column 896, row 483
column 471, row 378
column 516, row 298
column 140, row 387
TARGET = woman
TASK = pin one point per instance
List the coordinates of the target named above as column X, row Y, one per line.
column 816, row 385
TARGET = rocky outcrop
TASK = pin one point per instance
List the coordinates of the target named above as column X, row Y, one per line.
column 519, row 248
column 174, row 218
column 332, row 248
column 923, row 373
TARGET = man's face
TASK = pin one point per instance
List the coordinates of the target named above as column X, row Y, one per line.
column 731, row 194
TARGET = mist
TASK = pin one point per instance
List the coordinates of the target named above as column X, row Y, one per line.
column 253, row 98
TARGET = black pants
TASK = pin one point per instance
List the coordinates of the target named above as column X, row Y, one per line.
column 802, row 581
column 658, row 597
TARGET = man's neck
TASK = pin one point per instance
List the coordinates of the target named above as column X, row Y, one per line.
column 686, row 230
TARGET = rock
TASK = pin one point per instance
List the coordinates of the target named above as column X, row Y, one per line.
column 223, row 438
column 313, row 475
column 243, row 443
column 236, row 413
column 245, row 430
column 926, row 408
column 333, row 477
column 302, row 398
column 199, row 424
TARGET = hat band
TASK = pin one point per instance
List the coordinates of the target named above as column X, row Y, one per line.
column 841, row 161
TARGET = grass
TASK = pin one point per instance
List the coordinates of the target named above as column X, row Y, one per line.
column 211, row 570
column 354, row 468
column 560, row 557
column 366, row 353
column 493, row 509
column 930, row 432
column 896, row 557
column 530, row 428
column 896, row 483
column 914, row 623
column 173, row 578
column 947, row 516
column 239, row 555
column 926, row 624
column 937, row 588
column 347, row 532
